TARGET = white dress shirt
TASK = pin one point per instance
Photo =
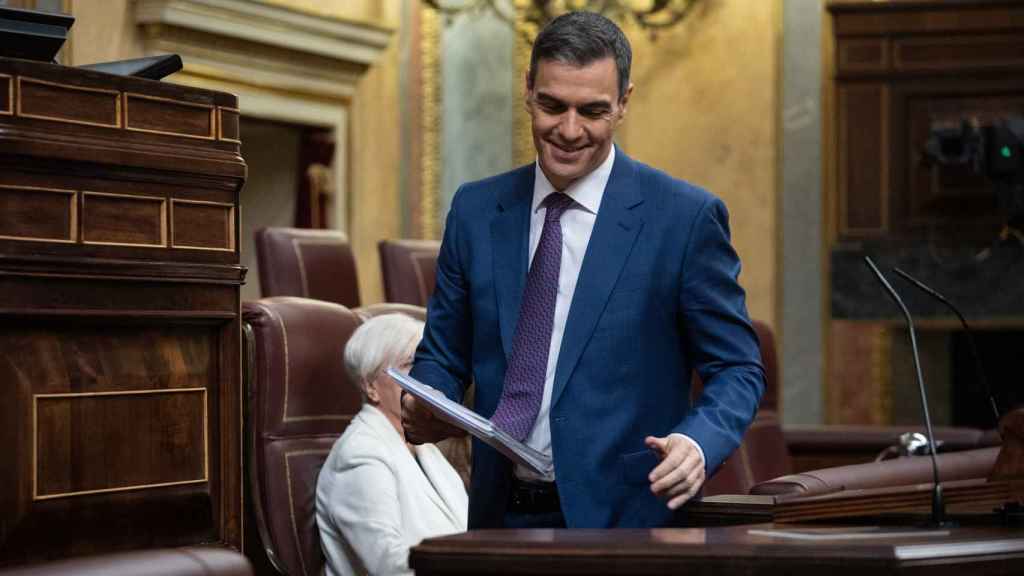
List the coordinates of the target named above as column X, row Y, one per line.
column 577, row 225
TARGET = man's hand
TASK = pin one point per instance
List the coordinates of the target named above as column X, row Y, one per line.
column 420, row 424
column 681, row 472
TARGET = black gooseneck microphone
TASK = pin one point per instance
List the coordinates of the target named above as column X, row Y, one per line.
column 982, row 381
column 938, row 504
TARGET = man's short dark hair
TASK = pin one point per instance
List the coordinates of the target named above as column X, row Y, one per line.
column 581, row 38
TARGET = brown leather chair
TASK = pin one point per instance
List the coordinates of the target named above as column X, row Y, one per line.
column 299, row 402
column 763, row 453
column 964, row 465
column 190, row 561
column 408, row 268
column 315, row 264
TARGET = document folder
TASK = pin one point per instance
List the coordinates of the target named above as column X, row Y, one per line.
column 461, row 417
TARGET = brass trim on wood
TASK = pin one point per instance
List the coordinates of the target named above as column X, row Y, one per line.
column 220, row 123
column 10, row 95
column 35, row 442
column 163, row 219
column 209, row 107
column 230, row 222
column 117, row 103
column 72, row 211
column 291, row 498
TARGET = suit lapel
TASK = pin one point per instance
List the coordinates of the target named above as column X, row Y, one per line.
column 510, row 233
column 611, row 241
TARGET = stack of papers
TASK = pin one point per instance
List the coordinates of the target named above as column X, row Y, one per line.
column 461, row 417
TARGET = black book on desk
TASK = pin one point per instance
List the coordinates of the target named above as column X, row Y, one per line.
column 152, row 67
column 31, row 34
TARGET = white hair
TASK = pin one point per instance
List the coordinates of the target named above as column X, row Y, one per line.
column 379, row 342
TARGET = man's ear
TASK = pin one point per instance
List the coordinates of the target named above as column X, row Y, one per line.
column 624, row 102
column 527, row 93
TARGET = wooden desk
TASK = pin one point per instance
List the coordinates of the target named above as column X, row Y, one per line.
column 120, row 369
column 720, row 550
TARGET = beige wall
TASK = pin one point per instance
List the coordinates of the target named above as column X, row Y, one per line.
column 374, row 197
column 378, row 12
column 103, row 31
column 106, row 31
column 704, row 109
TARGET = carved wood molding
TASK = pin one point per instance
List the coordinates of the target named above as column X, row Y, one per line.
column 263, row 44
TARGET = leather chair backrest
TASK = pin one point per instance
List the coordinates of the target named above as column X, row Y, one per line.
column 965, row 465
column 763, row 454
column 300, row 401
column 315, row 264
column 408, row 268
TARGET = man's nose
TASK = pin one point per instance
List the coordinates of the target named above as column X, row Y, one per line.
column 570, row 128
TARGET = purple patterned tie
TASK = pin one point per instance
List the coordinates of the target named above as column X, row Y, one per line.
column 524, row 380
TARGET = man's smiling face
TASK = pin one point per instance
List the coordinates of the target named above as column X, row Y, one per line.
column 575, row 111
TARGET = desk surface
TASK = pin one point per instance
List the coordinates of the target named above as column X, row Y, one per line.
column 722, row 550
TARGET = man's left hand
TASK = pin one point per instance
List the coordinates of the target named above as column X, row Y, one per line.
column 681, row 472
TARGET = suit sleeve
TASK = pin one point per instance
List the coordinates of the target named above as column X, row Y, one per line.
column 363, row 504
column 443, row 356
column 719, row 337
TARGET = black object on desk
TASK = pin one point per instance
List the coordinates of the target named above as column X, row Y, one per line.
column 152, row 67
column 31, row 34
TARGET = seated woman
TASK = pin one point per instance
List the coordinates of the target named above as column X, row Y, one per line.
column 377, row 495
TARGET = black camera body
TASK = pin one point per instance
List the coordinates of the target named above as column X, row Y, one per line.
column 993, row 149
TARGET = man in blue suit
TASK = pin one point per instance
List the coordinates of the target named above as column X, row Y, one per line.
column 580, row 293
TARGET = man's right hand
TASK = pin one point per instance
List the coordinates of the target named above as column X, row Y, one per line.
column 421, row 426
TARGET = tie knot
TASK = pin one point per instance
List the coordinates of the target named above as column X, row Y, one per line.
column 556, row 203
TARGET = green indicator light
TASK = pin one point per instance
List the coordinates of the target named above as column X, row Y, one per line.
column 1006, row 152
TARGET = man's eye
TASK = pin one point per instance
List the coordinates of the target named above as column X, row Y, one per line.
column 552, row 107
column 593, row 112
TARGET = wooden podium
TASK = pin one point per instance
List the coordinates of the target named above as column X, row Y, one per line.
column 736, row 543
column 120, row 398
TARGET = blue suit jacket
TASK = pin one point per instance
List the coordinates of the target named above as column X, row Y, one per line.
column 657, row 298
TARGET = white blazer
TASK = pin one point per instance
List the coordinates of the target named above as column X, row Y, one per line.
column 374, row 500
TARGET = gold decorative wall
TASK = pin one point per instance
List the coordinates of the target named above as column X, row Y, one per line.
column 705, row 110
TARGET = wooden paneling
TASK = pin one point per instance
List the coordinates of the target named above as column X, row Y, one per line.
column 120, row 369
column 67, row 103
column 83, row 447
column 873, row 17
column 863, row 54
column 6, row 94
column 863, row 160
column 203, row 225
column 958, row 53
column 902, row 67
column 124, row 220
column 167, row 116
column 227, row 122
column 38, row 214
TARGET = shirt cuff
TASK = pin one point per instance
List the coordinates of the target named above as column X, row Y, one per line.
column 700, row 451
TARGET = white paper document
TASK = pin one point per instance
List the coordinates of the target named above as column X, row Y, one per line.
column 848, row 533
column 458, row 415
